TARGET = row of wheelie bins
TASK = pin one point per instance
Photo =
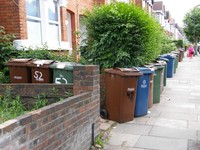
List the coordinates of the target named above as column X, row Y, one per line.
column 40, row 71
column 130, row 92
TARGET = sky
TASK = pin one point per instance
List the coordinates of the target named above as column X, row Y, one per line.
column 178, row 8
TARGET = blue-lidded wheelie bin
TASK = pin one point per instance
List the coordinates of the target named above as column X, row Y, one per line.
column 141, row 105
column 170, row 64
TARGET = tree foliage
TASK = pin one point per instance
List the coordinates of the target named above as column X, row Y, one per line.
column 192, row 25
column 167, row 44
column 121, row 35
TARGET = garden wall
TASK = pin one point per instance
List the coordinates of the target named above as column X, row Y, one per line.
column 68, row 124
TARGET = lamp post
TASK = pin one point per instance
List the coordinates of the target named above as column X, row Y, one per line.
column 195, row 40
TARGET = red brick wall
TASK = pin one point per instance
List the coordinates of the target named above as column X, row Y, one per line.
column 63, row 125
column 138, row 2
column 63, row 15
column 13, row 17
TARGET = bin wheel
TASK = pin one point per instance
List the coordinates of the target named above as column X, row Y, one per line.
column 103, row 114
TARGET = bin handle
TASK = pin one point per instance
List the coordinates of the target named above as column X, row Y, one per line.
column 130, row 93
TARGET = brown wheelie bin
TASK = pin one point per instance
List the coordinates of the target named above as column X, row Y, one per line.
column 19, row 71
column 121, row 89
column 40, row 71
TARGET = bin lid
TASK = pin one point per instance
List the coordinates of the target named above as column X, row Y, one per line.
column 176, row 52
column 158, row 65
column 18, row 62
column 64, row 65
column 145, row 70
column 169, row 56
column 164, row 59
column 40, row 63
column 149, row 65
column 162, row 62
column 124, row 71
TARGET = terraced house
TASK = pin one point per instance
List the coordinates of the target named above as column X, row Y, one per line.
column 44, row 22
column 49, row 22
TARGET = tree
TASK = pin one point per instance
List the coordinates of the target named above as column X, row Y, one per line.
column 192, row 25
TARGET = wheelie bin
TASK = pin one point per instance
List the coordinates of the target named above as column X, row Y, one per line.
column 165, row 69
column 40, row 71
column 121, row 90
column 19, row 70
column 63, row 72
column 181, row 55
column 170, row 64
column 141, row 106
column 158, row 79
column 150, row 96
column 177, row 54
column 163, row 75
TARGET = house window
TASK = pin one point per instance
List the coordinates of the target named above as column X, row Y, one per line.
column 43, row 23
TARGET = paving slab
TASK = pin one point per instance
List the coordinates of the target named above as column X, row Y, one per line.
column 113, row 147
column 128, row 128
column 172, row 123
column 123, row 140
column 179, row 116
column 194, row 125
column 174, row 133
column 151, row 142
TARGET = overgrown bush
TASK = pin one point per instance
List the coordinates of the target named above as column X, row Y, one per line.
column 167, row 44
column 179, row 43
column 121, row 35
column 42, row 53
column 6, row 49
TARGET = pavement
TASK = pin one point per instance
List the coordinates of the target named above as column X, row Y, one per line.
column 172, row 124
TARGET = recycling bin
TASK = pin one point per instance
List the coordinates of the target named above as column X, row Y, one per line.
column 19, row 71
column 143, row 87
column 181, row 55
column 40, row 71
column 164, row 73
column 121, row 90
column 158, row 79
column 170, row 64
column 164, row 62
column 176, row 60
column 63, row 72
column 150, row 96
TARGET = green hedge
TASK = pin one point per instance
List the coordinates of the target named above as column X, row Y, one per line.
column 121, row 35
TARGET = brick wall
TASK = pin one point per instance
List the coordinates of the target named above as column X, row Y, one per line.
column 138, row 2
column 63, row 125
column 29, row 92
column 13, row 17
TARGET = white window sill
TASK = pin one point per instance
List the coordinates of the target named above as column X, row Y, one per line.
column 24, row 44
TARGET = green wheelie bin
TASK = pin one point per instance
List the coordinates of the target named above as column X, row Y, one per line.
column 158, row 81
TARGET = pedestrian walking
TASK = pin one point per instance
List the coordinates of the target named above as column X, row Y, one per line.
column 190, row 51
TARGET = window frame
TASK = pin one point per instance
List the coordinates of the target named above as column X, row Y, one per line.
column 45, row 23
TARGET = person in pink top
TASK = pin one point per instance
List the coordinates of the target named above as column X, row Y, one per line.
column 190, row 51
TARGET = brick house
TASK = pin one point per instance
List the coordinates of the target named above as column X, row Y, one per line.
column 44, row 22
